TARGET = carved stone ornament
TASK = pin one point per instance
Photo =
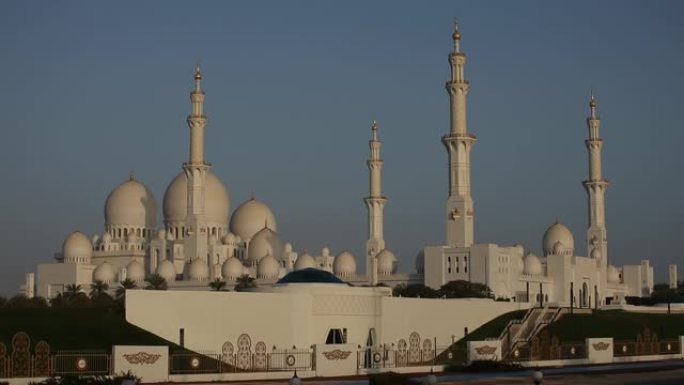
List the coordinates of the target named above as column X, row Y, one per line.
column 601, row 346
column 336, row 354
column 485, row 350
column 141, row 358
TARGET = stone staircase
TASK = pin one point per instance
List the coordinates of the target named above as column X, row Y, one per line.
column 518, row 333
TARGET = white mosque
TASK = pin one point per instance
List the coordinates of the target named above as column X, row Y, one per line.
column 200, row 240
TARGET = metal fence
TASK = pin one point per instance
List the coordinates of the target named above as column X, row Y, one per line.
column 625, row 348
column 81, row 363
column 395, row 357
column 276, row 360
column 554, row 351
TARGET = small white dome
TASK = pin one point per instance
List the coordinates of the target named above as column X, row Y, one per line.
column 613, row 274
column 167, row 270
column 161, row 234
column 135, row 271
column 198, row 270
column 304, row 261
column 216, row 200
column 387, row 262
column 264, row 242
column 232, row 269
column 131, row 204
column 288, row 247
column 595, row 253
column 558, row 233
column 77, row 248
column 532, row 265
column 229, row 239
column 345, row 264
column 107, row 237
column 95, row 239
column 420, row 262
column 250, row 217
column 268, row 267
column 104, row 273
column 325, row 252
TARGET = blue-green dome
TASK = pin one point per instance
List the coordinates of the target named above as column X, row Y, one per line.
column 310, row 275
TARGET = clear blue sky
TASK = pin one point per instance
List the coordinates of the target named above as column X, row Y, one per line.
column 92, row 90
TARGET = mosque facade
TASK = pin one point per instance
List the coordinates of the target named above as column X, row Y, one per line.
column 200, row 241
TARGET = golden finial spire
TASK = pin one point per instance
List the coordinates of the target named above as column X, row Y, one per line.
column 456, row 36
column 131, row 176
column 198, row 73
column 592, row 104
column 374, row 129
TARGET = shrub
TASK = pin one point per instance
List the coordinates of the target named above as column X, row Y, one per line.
column 389, row 378
column 492, row 366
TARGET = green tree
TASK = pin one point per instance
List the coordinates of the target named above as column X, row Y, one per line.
column 217, row 284
column 465, row 289
column 126, row 284
column 72, row 290
column 22, row 301
column 244, row 283
column 58, row 301
column 97, row 288
column 3, row 301
column 156, row 282
column 414, row 290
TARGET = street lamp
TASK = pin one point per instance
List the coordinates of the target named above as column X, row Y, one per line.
column 537, row 377
column 430, row 379
column 295, row 380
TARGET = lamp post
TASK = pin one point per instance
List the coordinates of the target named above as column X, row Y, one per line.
column 430, row 379
column 537, row 377
column 295, row 380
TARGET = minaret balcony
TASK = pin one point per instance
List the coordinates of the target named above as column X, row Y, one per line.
column 455, row 136
column 200, row 164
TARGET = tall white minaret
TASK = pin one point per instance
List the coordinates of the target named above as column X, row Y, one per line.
column 459, row 211
column 375, row 203
column 196, row 170
column 597, row 239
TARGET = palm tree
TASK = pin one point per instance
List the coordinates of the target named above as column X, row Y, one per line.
column 156, row 282
column 124, row 285
column 73, row 289
column 97, row 288
column 245, row 282
column 217, row 284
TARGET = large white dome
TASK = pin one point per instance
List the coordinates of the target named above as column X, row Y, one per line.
column 345, row 264
column 250, row 217
column 305, row 261
column 131, row 204
column 558, row 240
column 216, row 200
column 264, row 242
column 387, row 262
column 232, row 269
column 198, row 270
column 532, row 265
column 135, row 271
column 104, row 273
column 167, row 270
column 77, row 248
column 268, row 267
